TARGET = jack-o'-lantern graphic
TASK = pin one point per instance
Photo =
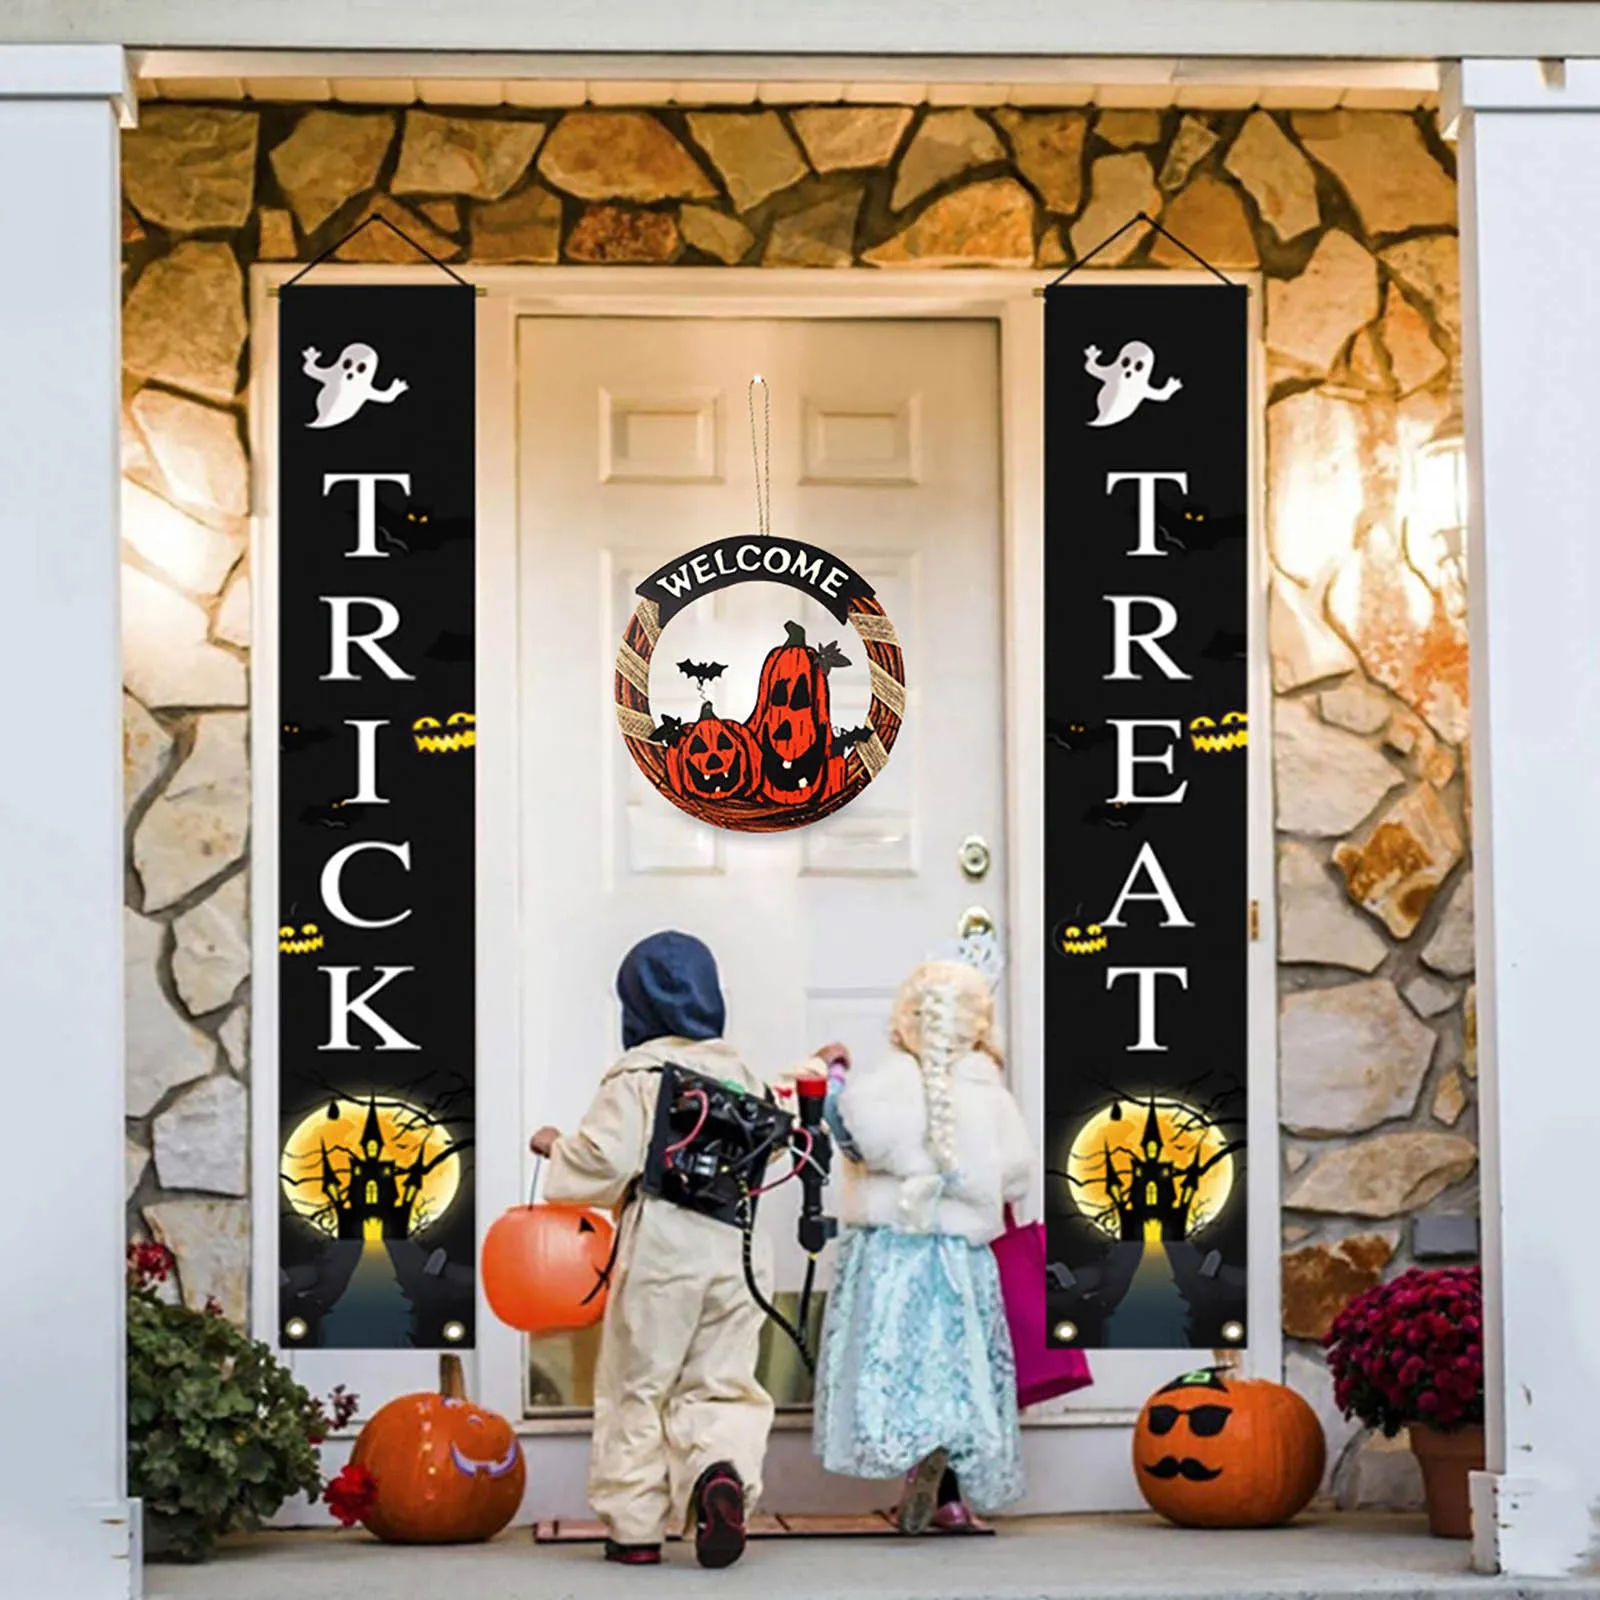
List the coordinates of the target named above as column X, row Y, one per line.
column 790, row 724
column 1211, row 737
column 713, row 757
column 1080, row 938
column 458, row 732
column 1214, row 1451
column 303, row 940
column 446, row 1471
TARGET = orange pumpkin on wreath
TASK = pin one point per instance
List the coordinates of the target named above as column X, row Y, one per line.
column 1214, row 1451
column 442, row 1470
column 714, row 757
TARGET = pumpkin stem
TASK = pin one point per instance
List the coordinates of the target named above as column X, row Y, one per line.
column 796, row 639
column 705, row 710
column 452, row 1382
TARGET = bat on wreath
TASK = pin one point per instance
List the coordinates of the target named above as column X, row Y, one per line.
column 668, row 732
column 846, row 737
column 703, row 672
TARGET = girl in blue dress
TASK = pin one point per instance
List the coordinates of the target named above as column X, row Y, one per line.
column 916, row 1375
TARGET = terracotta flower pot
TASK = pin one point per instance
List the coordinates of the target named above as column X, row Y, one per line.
column 1446, row 1460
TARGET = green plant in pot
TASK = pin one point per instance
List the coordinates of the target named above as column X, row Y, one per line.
column 219, row 1433
column 1409, row 1354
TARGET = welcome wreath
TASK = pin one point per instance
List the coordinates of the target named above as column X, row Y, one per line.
column 784, row 765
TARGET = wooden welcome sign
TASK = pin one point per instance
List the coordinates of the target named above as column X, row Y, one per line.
column 1147, row 429
column 376, row 584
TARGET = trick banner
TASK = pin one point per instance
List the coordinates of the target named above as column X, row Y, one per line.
column 1147, row 737
column 377, row 745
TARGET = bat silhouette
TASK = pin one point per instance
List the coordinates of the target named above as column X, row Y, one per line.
column 415, row 530
column 668, row 732
column 296, row 736
column 830, row 656
column 331, row 814
column 1225, row 646
column 451, row 647
column 703, row 672
column 1075, row 736
column 1189, row 527
column 1115, row 814
column 847, row 737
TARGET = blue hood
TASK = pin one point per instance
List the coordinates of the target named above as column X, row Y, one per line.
column 668, row 987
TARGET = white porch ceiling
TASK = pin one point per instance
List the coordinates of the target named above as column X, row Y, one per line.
column 553, row 82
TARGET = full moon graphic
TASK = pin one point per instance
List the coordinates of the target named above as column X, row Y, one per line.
column 405, row 1129
column 1120, row 1128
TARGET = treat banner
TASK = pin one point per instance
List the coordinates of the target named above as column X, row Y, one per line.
column 376, row 788
column 1147, row 744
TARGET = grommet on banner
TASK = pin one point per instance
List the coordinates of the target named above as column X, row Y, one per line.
column 405, row 238
column 1111, row 239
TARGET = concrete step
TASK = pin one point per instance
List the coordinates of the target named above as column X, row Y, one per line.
column 1325, row 1557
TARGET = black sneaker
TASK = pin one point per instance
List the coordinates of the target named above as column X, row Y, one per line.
column 719, row 1516
column 633, row 1555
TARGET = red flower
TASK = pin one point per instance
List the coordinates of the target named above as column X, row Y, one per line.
column 351, row 1495
column 1411, row 1351
column 150, row 1263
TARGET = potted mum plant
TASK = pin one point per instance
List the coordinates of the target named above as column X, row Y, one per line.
column 1409, row 1354
column 219, row 1433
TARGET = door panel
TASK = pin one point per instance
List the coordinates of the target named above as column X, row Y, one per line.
column 636, row 446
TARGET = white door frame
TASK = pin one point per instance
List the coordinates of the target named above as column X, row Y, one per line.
column 1007, row 298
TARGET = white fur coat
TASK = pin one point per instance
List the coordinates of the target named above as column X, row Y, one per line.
column 894, row 1183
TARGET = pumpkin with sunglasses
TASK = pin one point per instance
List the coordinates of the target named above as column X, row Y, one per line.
column 1214, row 1451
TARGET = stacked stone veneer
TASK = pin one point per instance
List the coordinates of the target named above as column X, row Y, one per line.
column 1350, row 216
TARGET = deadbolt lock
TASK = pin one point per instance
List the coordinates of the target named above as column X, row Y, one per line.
column 974, row 857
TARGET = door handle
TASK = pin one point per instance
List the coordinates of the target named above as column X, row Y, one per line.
column 974, row 921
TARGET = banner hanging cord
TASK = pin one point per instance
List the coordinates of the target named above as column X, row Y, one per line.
column 399, row 233
column 761, row 454
column 1111, row 239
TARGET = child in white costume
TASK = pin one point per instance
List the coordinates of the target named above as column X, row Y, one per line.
column 680, row 1422
column 917, row 1374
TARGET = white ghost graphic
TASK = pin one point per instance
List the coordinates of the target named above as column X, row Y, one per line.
column 1125, row 382
column 347, row 384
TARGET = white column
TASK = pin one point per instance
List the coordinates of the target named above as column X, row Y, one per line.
column 1530, row 238
column 63, row 1512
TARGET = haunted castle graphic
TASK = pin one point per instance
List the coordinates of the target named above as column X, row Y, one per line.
column 1155, row 1264
column 378, row 1197
column 371, row 1180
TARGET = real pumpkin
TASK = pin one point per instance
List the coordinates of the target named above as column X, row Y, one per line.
column 447, row 1471
column 1214, row 1451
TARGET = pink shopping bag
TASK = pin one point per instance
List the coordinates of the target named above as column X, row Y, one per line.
column 1042, row 1373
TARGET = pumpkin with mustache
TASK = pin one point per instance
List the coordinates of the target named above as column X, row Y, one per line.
column 1214, row 1451
column 447, row 1471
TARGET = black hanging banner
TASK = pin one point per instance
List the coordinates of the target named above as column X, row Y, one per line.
column 1147, row 735
column 376, row 578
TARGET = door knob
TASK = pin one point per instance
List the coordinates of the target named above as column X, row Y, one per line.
column 975, row 921
column 974, row 856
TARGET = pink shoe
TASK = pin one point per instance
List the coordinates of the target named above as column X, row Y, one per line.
column 954, row 1517
column 919, row 1499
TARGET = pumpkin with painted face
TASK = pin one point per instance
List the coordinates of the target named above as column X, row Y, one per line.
column 447, row 1471
column 1080, row 938
column 714, row 758
column 1214, row 1451
column 791, row 726
column 545, row 1266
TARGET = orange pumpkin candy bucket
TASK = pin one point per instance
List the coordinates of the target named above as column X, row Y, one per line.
column 547, row 1268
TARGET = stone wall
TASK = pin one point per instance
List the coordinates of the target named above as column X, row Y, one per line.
column 1350, row 216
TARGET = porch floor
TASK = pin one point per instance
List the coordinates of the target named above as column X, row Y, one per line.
column 1085, row 1558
